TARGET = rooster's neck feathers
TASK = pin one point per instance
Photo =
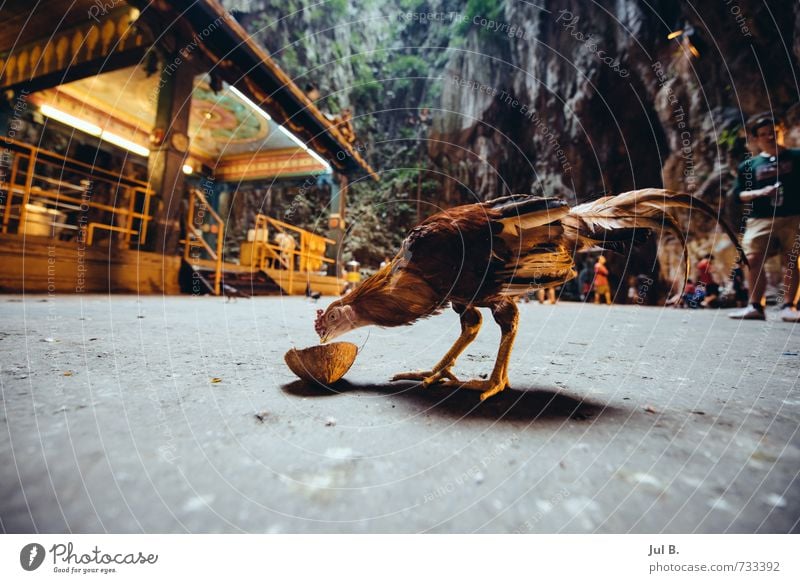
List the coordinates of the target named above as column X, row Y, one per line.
column 393, row 296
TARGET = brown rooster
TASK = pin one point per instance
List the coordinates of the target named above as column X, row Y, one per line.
column 485, row 255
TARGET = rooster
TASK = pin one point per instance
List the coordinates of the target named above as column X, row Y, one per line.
column 487, row 254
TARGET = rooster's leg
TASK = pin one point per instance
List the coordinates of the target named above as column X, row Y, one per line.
column 470, row 324
column 507, row 317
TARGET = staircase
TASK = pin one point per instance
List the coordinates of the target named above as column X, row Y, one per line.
column 201, row 277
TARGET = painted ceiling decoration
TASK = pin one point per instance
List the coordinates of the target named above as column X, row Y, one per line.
column 223, row 122
column 224, row 131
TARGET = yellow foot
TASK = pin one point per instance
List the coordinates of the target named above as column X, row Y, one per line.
column 427, row 377
column 487, row 387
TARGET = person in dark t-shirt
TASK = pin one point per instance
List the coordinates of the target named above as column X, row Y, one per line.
column 770, row 182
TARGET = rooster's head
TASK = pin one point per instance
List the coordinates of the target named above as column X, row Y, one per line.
column 335, row 321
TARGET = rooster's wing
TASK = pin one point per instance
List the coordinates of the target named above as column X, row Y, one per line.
column 473, row 254
column 530, row 243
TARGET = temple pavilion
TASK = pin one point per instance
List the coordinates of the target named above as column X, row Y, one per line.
column 125, row 130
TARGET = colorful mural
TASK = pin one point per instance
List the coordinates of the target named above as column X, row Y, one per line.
column 224, row 131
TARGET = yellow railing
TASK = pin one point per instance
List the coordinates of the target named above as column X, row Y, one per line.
column 41, row 182
column 199, row 209
column 310, row 256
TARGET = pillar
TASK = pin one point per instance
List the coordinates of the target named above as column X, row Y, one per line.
column 165, row 165
column 338, row 207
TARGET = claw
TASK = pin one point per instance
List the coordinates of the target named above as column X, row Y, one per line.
column 411, row 376
column 427, row 377
column 491, row 391
column 488, row 387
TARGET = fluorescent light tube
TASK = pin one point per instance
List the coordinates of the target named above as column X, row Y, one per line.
column 71, row 120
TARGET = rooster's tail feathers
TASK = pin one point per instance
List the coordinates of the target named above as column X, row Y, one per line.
column 612, row 222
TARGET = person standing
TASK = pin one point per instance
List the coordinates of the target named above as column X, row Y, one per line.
column 601, row 286
column 770, row 182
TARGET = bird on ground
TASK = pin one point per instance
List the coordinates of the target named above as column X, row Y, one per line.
column 485, row 255
column 311, row 294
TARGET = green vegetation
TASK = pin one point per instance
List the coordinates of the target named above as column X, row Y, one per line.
column 377, row 224
column 727, row 137
column 414, row 5
column 289, row 60
column 404, row 69
column 489, row 9
column 365, row 92
column 338, row 50
column 330, row 11
column 384, row 88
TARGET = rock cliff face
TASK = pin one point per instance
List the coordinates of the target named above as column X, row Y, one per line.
column 621, row 100
column 563, row 97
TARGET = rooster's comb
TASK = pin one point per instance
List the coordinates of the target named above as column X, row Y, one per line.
column 319, row 327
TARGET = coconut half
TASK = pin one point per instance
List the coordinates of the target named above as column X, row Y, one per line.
column 323, row 364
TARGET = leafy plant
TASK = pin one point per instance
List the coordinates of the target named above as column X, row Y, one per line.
column 489, row 9
column 728, row 136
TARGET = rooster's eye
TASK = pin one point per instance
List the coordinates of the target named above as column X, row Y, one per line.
column 333, row 316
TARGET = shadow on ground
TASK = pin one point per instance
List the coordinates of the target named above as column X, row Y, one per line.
column 533, row 404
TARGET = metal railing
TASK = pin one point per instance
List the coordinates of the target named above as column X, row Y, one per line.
column 199, row 209
column 309, row 257
column 41, row 183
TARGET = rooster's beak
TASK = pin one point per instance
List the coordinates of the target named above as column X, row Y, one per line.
column 324, row 338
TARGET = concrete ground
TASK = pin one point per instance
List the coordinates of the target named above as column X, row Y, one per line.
column 177, row 414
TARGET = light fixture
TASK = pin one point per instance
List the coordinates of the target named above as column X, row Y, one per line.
column 674, row 34
column 249, row 102
column 289, row 134
column 187, row 169
column 124, row 143
column 71, row 120
column 308, row 150
column 93, row 130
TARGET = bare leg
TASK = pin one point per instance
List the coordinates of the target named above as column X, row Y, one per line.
column 756, row 278
column 506, row 315
column 470, row 324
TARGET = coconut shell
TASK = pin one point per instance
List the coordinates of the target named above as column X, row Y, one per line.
column 323, row 364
